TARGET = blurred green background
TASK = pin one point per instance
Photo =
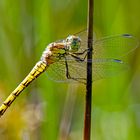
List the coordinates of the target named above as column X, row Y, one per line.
column 47, row 110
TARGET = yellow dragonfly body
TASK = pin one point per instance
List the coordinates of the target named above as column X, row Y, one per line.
column 65, row 60
column 53, row 53
column 35, row 72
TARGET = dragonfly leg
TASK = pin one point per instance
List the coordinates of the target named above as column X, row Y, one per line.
column 76, row 55
column 78, row 59
column 81, row 53
column 73, row 78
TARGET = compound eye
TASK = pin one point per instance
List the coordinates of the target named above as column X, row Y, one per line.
column 74, row 42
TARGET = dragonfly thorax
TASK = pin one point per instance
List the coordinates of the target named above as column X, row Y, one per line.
column 73, row 43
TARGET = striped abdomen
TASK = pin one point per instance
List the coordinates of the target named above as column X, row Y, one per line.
column 39, row 68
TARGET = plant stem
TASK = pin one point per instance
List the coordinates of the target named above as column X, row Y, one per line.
column 87, row 122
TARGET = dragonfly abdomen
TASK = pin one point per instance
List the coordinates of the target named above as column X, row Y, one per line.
column 39, row 68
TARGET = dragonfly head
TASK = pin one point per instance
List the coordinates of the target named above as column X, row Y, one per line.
column 73, row 43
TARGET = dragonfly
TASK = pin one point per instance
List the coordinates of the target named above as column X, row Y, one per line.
column 65, row 60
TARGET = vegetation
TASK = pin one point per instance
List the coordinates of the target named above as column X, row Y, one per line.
column 56, row 110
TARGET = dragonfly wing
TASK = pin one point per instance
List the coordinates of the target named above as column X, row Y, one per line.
column 115, row 47
column 107, row 53
column 104, row 68
column 76, row 70
column 57, row 71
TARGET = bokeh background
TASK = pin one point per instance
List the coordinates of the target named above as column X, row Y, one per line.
column 47, row 110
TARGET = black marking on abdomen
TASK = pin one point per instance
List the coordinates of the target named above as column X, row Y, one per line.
column 16, row 93
column 37, row 74
column 8, row 103
column 2, row 111
column 27, row 83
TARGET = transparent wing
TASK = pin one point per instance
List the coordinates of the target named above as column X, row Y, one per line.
column 102, row 68
column 116, row 46
column 57, row 71
column 107, row 55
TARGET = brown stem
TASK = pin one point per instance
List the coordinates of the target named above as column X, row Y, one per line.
column 87, row 123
